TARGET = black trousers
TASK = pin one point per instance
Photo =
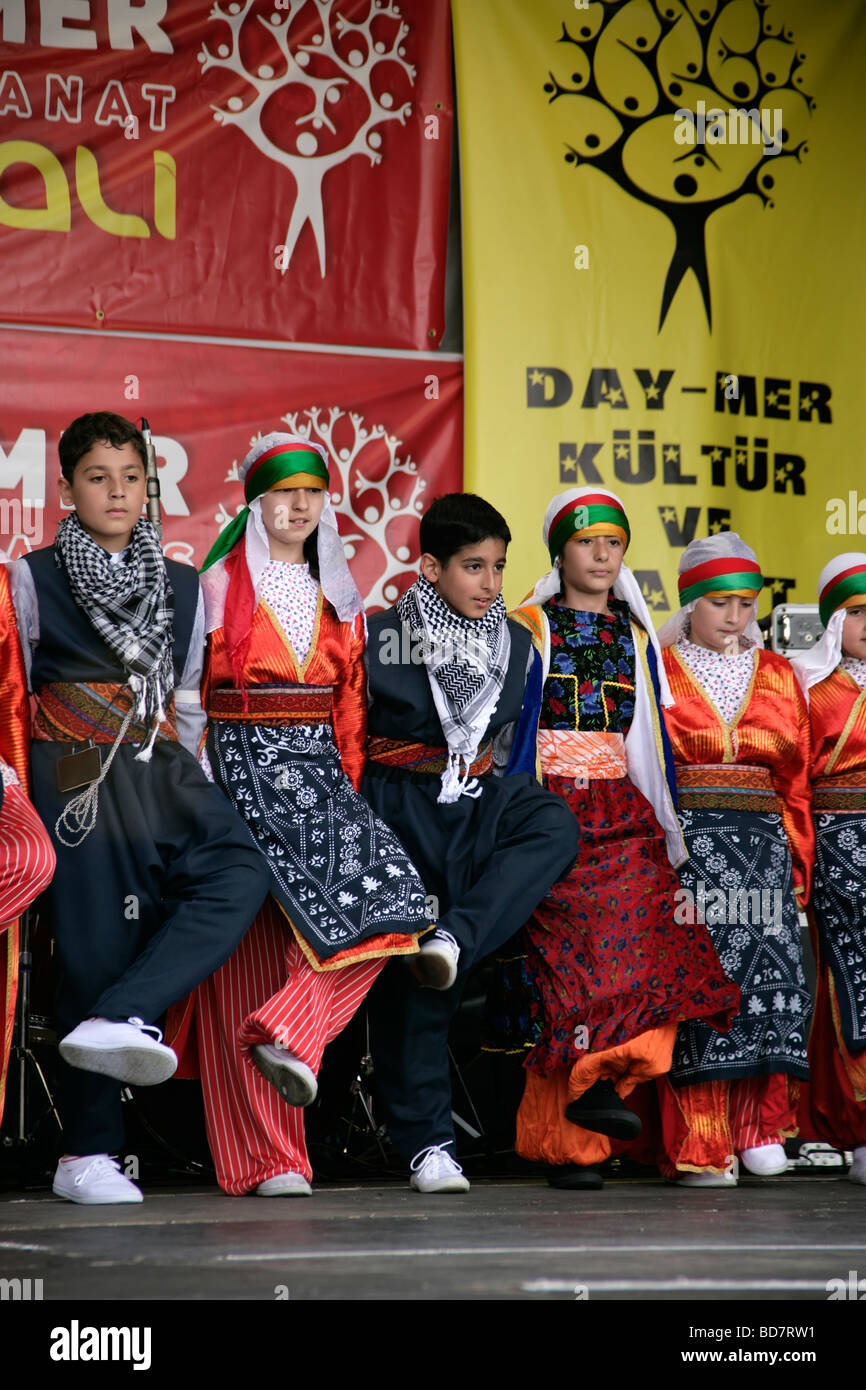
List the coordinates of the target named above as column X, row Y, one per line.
column 151, row 903
column 489, row 866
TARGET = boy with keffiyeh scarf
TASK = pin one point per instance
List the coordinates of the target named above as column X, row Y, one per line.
column 447, row 673
column 157, row 879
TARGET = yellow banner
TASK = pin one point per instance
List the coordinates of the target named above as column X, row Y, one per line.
column 663, row 213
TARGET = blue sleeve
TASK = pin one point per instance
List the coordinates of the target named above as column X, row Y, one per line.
column 524, row 750
column 670, row 770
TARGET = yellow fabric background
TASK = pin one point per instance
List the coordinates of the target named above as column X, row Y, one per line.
column 787, row 284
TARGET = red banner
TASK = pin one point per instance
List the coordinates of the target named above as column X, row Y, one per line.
column 251, row 168
column 392, row 427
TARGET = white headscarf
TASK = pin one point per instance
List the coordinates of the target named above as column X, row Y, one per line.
column 722, row 546
column 814, row 666
column 335, row 577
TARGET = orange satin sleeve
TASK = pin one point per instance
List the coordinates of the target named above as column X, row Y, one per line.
column 837, row 714
column 15, row 702
column 350, row 707
column 771, row 729
column 791, row 777
column 697, row 735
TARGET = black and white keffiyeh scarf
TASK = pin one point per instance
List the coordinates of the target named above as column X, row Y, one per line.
column 467, row 661
column 131, row 606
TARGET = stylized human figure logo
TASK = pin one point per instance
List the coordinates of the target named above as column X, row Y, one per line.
column 686, row 106
column 316, row 102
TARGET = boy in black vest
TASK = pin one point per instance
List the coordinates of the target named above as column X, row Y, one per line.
column 447, row 671
column 157, row 879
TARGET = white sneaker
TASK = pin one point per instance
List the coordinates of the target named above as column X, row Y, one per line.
column 857, row 1171
column 94, row 1180
column 285, row 1185
column 765, row 1162
column 126, row 1051
column 434, row 1170
column 706, row 1179
column 435, row 965
column 293, row 1079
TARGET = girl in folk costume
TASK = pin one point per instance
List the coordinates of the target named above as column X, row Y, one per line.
column 740, row 736
column 833, row 678
column 613, row 969
column 285, row 697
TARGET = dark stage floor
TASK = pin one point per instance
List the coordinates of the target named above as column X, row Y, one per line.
column 777, row 1240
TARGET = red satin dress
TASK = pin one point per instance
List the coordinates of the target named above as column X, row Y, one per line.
column 703, row 1124
column 834, row 1103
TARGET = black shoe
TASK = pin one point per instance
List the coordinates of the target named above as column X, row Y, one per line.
column 601, row 1110
column 572, row 1177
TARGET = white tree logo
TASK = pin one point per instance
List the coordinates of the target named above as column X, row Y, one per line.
column 345, row 65
column 383, row 504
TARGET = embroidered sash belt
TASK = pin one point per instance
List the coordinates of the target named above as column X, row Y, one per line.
column 582, row 755
column 75, row 712
column 844, row 792
column 276, row 705
column 426, row 758
column 726, row 787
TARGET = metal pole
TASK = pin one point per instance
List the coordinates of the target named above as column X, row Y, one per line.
column 154, row 512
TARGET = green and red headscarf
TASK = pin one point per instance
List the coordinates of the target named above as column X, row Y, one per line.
column 726, row 574
column 288, row 463
column 592, row 511
column 276, row 462
column 719, row 564
column 841, row 585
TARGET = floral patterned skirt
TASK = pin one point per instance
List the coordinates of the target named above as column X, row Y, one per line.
column 738, row 879
column 341, row 876
column 605, row 957
column 839, row 903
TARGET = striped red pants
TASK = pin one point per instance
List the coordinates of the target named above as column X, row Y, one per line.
column 834, row 1108
column 266, row 993
column 703, row 1125
column 27, row 859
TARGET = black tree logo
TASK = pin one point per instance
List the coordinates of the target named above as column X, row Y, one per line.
column 637, row 67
